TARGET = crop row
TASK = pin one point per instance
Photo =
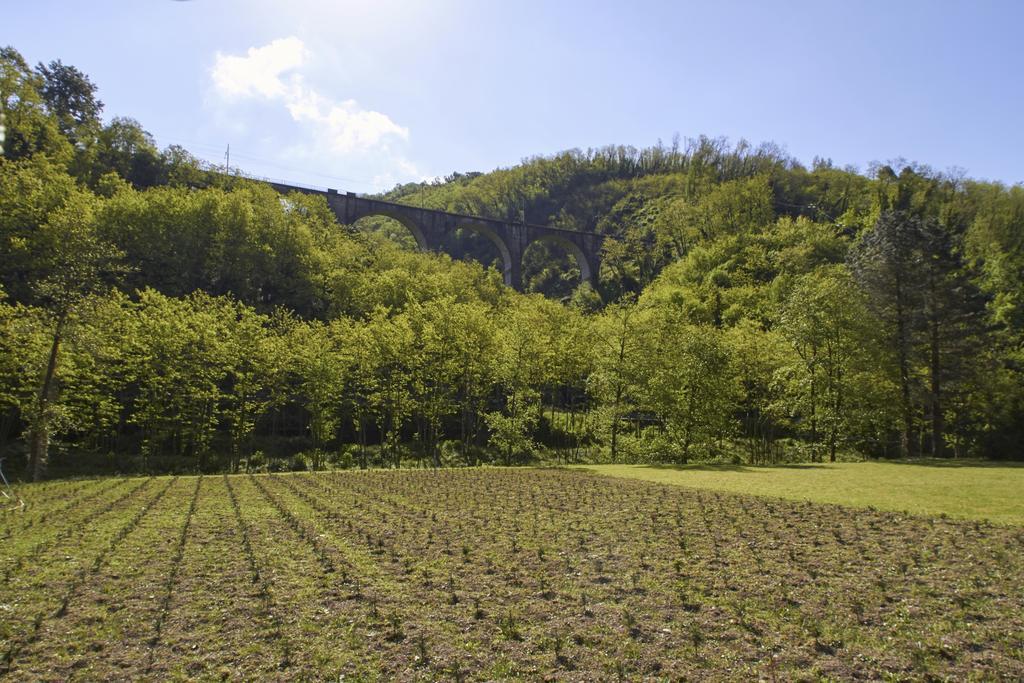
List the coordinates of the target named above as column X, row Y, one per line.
column 60, row 583
column 488, row 573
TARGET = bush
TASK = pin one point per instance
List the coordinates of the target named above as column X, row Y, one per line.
column 256, row 462
column 344, row 458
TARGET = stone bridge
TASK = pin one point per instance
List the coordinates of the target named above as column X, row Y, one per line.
column 429, row 227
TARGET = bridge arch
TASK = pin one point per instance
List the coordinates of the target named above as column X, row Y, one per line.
column 508, row 264
column 407, row 222
column 571, row 247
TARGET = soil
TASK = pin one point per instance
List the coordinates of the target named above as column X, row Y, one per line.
column 489, row 574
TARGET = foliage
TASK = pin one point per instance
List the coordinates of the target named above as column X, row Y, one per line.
column 163, row 313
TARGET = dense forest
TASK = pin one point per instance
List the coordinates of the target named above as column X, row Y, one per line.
column 158, row 315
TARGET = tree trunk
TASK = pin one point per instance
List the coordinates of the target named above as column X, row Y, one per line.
column 615, row 424
column 689, row 427
column 435, row 448
column 906, row 438
column 814, row 416
column 39, row 439
column 938, row 444
column 362, row 441
column 5, row 429
column 462, row 432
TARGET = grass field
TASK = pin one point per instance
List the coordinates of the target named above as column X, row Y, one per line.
column 971, row 490
column 493, row 574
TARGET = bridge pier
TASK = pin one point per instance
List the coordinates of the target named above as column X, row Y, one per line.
column 514, row 268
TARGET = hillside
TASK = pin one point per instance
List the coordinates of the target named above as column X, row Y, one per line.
column 161, row 316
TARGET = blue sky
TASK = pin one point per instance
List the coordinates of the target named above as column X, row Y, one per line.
column 361, row 94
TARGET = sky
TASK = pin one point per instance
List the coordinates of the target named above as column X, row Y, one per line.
column 359, row 95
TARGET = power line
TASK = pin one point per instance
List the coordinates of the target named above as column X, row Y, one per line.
column 192, row 145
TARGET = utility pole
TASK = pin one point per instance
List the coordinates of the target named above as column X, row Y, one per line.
column 227, row 161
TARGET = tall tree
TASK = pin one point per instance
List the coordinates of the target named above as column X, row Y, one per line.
column 78, row 264
column 521, row 368
column 617, row 343
column 31, row 189
column 954, row 326
column 687, row 382
column 758, row 356
column 887, row 265
column 71, row 97
column 826, row 321
column 919, row 288
column 30, row 128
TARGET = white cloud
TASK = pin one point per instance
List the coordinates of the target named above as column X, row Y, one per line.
column 259, row 71
column 345, row 126
column 269, row 72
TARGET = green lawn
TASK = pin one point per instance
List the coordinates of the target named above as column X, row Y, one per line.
column 975, row 490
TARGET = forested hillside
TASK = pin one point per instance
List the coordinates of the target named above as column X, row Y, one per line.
column 157, row 315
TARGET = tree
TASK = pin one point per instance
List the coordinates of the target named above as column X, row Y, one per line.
column 931, row 312
column 827, row 323
column 361, row 387
column 954, row 326
column 887, row 265
column 320, row 373
column 182, row 357
column 31, row 189
column 124, row 147
column 97, row 376
column 78, row 264
column 71, row 97
column 475, row 347
column 617, row 333
column 393, row 347
column 521, row 368
column 572, row 362
column 440, row 327
column 30, row 129
column 24, row 343
column 686, row 379
column 257, row 356
column 758, row 355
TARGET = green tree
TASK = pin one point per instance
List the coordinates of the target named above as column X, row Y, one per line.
column 931, row 313
column 257, row 363
column 31, row 189
column 124, row 147
column 887, row 266
column 182, row 358
column 758, row 356
column 439, row 327
column 826, row 320
column 393, row 345
column 521, row 368
column 97, row 375
column 475, row 345
column 71, row 97
column 688, row 382
column 617, row 345
column 24, row 343
column 77, row 264
column 30, row 128
column 319, row 368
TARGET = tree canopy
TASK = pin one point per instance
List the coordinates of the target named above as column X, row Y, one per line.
column 157, row 314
